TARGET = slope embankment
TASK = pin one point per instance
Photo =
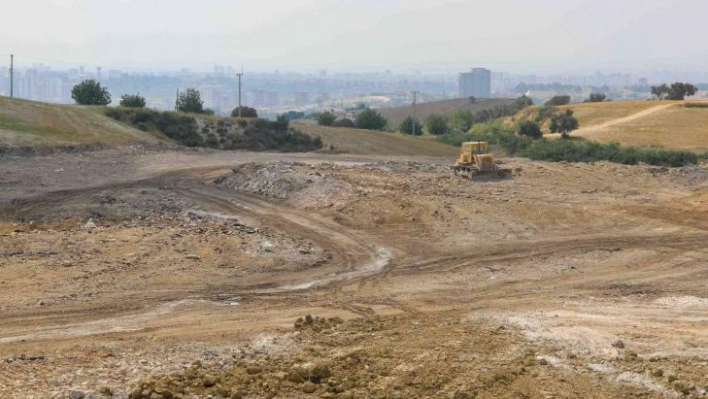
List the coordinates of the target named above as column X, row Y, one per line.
column 26, row 123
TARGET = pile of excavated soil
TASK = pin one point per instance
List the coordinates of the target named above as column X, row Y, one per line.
column 407, row 357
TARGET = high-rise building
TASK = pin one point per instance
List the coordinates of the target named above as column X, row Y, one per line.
column 477, row 83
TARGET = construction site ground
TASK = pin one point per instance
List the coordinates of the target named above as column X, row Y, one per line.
column 129, row 273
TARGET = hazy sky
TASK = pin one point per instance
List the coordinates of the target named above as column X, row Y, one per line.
column 513, row 35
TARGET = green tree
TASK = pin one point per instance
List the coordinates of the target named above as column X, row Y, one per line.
column 90, row 92
column 661, row 92
column 370, row 119
column 190, row 101
column 558, row 100
column 461, row 121
column 436, row 125
column 472, row 99
column 132, row 101
column 326, row 118
column 680, row 90
column 410, row 126
column 246, row 112
column 523, row 102
column 529, row 129
column 564, row 123
column 596, row 98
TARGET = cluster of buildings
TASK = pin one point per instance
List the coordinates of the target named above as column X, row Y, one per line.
column 42, row 83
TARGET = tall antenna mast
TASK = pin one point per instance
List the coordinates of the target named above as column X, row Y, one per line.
column 12, row 75
column 415, row 119
column 240, row 74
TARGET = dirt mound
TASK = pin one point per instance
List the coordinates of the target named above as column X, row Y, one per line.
column 280, row 181
column 393, row 357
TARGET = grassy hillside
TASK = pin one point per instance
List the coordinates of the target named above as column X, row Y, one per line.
column 396, row 115
column 357, row 141
column 673, row 127
column 29, row 123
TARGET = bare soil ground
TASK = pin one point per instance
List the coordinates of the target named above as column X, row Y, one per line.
column 126, row 273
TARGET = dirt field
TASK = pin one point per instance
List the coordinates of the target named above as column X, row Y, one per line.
column 136, row 274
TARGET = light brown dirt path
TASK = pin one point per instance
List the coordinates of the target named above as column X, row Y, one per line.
column 589, row 130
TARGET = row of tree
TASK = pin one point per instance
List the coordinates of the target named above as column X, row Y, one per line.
column 90, row 92
column 369, row 119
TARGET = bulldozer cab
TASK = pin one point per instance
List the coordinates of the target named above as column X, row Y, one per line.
column 469, row 149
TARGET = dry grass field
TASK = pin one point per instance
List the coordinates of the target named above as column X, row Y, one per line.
column 27, row 123
column 667, row 125
column 359, row 141
column 592, row 114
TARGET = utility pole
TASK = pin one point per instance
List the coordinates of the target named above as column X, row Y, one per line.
column 12, row 75
column 177, row 100
column 415, row 118
column 240, row 74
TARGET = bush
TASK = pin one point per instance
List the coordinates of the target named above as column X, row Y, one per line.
column 410, row 126
column 436, row 125
column 90, row 92
column 132, row 101
column 695, row 105
column 326, row 118
column 558, row 100
column 190, row 101
column 596, row 98
column 246, row 112
column 371, row 120
column 529, row 129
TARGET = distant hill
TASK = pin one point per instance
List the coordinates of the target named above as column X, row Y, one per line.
column 30, row 123
column 423, row 110
column 359, row 141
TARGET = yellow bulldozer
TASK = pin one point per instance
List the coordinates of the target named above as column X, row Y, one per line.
column 475, row 160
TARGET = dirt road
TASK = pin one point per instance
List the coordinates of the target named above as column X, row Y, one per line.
column 567, row 280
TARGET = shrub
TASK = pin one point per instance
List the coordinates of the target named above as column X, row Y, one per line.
column 596, row 98
column 90, row 92
column 132, row 101
column 370, row 119
column 558, row 100
column 190, row 101
column 529, row 129
column 410, row 126
column 246, row 112
column 326, row 118
column 436, row 125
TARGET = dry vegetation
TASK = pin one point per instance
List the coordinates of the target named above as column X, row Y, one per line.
column 674, row 127
column 592, row 114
